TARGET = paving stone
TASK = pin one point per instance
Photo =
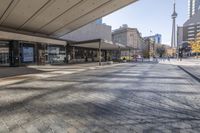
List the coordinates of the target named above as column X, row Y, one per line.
column 130, row 98
column 3, row 128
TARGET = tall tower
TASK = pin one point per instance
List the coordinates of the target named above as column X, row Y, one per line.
column 174, row 16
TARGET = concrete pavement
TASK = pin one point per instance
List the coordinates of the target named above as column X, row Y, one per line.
column 189, row 65
column 11, row 75
column 18, row 71
column 129, row 98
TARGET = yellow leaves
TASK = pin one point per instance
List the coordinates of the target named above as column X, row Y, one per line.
column 195, row 45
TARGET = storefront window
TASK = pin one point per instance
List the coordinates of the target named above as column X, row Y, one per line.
column 79, row 53
column 27, row 54
column 56, row 54
column 87, row 55
column 4, row 53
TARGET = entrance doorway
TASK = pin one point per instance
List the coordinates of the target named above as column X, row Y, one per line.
column 4, row 54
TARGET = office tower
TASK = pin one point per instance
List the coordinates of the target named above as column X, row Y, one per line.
column 193, row 7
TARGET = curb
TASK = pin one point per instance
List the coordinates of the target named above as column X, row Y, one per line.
column 189, row 73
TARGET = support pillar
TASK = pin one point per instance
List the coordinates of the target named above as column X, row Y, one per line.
column 67, row 52
column 119, row 54
column 106, row 55
column 73, row 55
column 14, row 53
column 40, row 48
column 100, row 53
column 129, row 54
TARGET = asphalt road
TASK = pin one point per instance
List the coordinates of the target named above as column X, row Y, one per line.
column 129, row 98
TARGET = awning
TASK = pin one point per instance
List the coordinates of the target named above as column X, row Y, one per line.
column 23, row 37
column 54, row 18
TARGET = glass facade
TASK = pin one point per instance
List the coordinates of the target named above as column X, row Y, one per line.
column 56, row 54
column 27, row 54
column 193, row 7
column 19, row 53
column 78, row 55
column 87, row 55
column 4, row 53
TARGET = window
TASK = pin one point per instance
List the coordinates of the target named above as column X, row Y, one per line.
column 191, row 31
column 190, row 39
column 191, row 27
column 190, row 34
column 191, row 24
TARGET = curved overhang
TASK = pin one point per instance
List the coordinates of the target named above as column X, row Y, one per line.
column 54, row 18
column 4, row 35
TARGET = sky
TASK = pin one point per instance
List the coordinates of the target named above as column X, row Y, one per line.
column 150, row 15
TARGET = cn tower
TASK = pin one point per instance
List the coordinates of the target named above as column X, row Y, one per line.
column 174, row 16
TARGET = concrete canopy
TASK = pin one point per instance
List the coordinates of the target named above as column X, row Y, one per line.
column 23, row 37
column 54, row 18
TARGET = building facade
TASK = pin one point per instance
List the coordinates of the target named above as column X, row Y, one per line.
column 149, row 48
column 19, row 50
column 129, row 37
column 91, row 31
column 99, row 21
column 179, row 35
column 193, row 7
column 190, row 32
column 157, row 38
column 22, row 50
column 191, row 27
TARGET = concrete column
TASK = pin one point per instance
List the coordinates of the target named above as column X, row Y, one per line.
column 73, row 58
column 106, row 55
column 14, row 53
column 40, row 48
column 100, row 53
column 129, row 54
column 119, row 54
column 36, row 58
column 67, row 52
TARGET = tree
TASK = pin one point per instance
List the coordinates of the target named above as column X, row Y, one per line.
column 195, row 45
column 161, row 50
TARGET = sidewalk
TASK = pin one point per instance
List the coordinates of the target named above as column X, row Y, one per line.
column 11, row 75
column 190, row 66
column 17, row 71
column 193, row 71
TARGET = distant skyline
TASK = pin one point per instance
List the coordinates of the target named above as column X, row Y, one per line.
column 150, row 15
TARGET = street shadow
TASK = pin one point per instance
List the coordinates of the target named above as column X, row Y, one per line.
column 91, row 103
column 17, row 71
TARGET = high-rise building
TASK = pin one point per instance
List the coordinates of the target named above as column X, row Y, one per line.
column 191, row 27
column 193, row 7
column 157, row 38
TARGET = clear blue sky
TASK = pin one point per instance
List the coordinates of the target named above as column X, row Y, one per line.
column 146, row 15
